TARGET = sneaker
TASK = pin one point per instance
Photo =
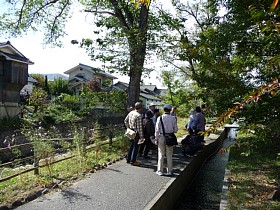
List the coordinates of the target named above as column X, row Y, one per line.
column 169, row 174
column 136, row 163
column 159, row 173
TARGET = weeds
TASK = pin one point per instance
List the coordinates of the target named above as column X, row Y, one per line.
column 20, row 186
column 254, row 175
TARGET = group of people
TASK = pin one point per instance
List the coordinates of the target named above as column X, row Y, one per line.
column 150, row 126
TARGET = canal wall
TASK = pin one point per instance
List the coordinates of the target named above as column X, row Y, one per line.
column 172, row 191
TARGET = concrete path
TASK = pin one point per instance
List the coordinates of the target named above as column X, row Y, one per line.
column 119, row 186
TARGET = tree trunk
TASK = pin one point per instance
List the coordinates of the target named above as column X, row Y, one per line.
column 137, row 58
column 137, row 45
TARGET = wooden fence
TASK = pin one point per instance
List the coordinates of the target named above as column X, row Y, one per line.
column 36, row 161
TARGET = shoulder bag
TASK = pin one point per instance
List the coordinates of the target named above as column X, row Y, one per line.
column 170, row 138
column 130, row 133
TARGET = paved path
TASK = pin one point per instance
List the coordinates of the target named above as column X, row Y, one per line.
column 119, row 186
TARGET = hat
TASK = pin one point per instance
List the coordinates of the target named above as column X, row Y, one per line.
column 152, row 104
column 167, row 106
column 138, row 105
column 149, row 114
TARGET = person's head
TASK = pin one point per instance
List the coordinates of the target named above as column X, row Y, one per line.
column 174, row 109
column 157, row 113
column 129, row 109
column 167, row 108
column 198, row 109
column 192, row 112
column 138, row 106
column 149, row 114
column 152, row 106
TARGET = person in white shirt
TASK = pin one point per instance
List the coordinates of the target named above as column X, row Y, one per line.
column 152, row 108
column 170, row 126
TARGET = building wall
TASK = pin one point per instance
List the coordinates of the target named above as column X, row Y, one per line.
column 9, row 110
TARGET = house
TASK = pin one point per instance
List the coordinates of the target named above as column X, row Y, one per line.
column 13, row 77
column 148, row 94
column 83, row 74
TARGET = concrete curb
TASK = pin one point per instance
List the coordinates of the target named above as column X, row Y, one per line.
column 171, row 192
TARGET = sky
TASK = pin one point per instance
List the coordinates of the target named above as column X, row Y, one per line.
column 58, row 60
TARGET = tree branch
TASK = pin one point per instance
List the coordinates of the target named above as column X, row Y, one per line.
column 56, row 18
column 128, row 14
column 119, row 14
column 101, row 12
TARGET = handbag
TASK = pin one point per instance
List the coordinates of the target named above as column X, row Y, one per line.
column 170, row 138
column 130, row 133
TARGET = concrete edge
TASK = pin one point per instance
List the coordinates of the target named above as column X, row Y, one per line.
column 224, row 202
column 172, row 191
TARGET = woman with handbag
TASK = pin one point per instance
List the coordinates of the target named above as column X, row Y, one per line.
column 166, row 125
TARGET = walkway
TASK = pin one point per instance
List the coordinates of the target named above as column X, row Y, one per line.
column 117, row 187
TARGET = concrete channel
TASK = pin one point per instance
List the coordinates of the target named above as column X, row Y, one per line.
column 169, row 195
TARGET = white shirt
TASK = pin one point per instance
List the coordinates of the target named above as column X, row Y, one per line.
column 170, row 125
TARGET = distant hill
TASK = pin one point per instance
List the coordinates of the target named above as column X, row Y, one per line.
column 51, row 77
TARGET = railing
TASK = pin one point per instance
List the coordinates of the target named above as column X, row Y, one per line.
column 69, row 155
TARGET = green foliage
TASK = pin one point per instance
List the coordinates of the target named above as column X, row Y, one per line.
column 38, row 99
column 59, row 86
column 113, row 100
column 79, row 141
column 40, row 80
column 184, row 95
column 72, row 102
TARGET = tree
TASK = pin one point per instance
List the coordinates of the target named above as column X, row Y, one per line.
column 123, row 30
column 38, row 99
column 40, row 80
column 59, row 86
column 233, row 56
column 126, row 22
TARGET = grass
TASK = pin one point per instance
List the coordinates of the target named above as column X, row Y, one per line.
column 181, row 122
column 69, row 170
column 253, row 178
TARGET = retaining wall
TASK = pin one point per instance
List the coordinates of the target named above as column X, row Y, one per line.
column 170, row 194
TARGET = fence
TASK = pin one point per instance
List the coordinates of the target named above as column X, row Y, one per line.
column 86, row 143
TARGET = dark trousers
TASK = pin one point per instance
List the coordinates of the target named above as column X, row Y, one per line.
column 145, row 147
column 133, row 150
column 199, row 135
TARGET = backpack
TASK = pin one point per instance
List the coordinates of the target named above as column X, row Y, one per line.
column 149, row 129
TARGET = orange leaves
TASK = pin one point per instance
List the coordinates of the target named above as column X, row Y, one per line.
column 274, row 4
column 222, row 151
column 143, row 2
column 272, row 88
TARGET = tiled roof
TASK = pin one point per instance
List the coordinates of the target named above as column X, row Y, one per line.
column 31, row 79
column 15, row 57
column 18, row 56
column 143, row 93
column 91, row 69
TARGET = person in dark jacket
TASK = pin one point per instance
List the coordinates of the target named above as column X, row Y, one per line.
column 149, row 130
column 199, row 123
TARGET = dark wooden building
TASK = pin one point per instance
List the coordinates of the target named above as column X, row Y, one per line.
column 13, row 77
